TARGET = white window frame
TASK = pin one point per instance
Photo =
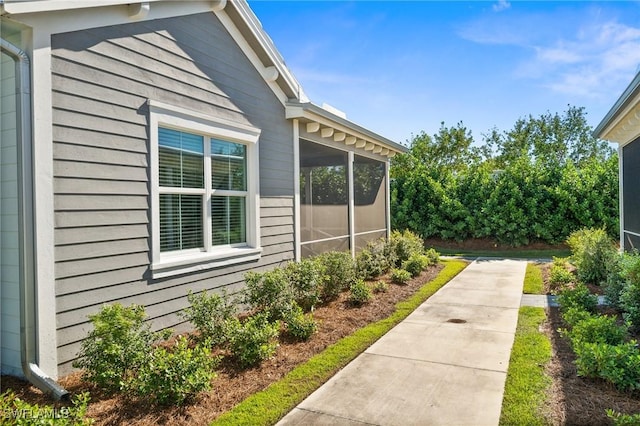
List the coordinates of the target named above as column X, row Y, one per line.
column 164, row 264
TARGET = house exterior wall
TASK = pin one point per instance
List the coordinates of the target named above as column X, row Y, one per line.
column 630, row 211
column 102, row 79
column 9, row 238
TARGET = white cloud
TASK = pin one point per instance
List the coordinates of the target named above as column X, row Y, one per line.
column 501, row 5
column 586, row 58
column 599, row 57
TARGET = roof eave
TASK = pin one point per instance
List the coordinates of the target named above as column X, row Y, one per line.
column 629, row 98
column 316, row 114
column 286, row 80
column 16, row 7
column 246, row 19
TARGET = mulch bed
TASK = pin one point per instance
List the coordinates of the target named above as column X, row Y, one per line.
column 337, row 319
column 575, row 400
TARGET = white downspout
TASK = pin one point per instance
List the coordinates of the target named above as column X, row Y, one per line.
column 28, row 293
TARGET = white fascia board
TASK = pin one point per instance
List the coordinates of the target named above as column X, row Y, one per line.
column 116, row 13
column 37, row 6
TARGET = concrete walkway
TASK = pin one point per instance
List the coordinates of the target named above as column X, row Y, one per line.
column 445, row 364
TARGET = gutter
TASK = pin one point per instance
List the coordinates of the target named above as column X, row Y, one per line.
column 28, row 292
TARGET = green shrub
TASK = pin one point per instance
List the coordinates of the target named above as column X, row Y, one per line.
column 617, row 364
column 416, row 264
column 339, row 273
column 176, row 375
column 623, row 287
column 359, row 293
column 598, row 329
column 254, row 340
column 559, row 276
column 560, row 261
column 118, row 345
column 615, row 282
column 404, row 244
column 210, row 314
column 630, row 303
column 574, row 314
column 15, row 411
column 400, row 276
column 306, row 278
column 372, row 262
column 593, row 253
column 578, row 297
column 298, row 325
column 380, row 287
column 269, row 292
column 433, row 256
column 620, row 419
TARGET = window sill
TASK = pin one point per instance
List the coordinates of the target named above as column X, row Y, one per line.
column 188, row 263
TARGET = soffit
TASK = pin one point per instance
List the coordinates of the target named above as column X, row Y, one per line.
column 622, row 122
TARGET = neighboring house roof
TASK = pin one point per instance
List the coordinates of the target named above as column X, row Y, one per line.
column 272, row 66
column 622, row 122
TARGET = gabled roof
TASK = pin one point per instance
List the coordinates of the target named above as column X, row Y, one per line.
column 238, row 10
column 622, row 122
column 264, row 55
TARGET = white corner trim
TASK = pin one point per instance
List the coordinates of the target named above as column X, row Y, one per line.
column 44, row 206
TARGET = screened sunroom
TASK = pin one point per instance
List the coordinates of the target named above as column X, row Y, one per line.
column 343, row 184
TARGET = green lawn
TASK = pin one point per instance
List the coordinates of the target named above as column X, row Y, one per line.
column 527, row 385
column 270, row 405
column 533, row 282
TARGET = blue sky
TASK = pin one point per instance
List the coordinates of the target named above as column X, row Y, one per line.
column 402, row 67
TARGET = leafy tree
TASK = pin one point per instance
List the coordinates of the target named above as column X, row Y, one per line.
column 551, row 139
column 541, row 180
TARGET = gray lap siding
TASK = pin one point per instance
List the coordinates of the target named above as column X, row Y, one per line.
column 101, row 80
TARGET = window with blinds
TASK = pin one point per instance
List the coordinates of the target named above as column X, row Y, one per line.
column 184, row 159
column 229, row 183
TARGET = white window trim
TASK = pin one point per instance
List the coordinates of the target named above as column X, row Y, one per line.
column 182, row 262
